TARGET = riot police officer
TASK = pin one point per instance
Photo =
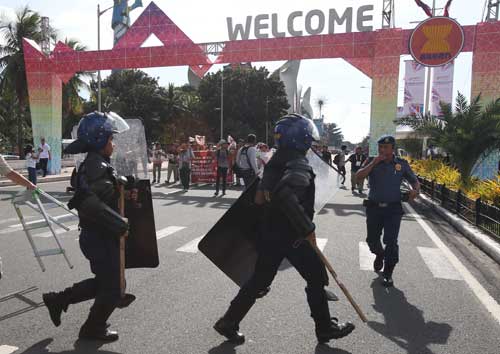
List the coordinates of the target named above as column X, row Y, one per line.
column 383, row 207
column 287, row 193
column 96, row 199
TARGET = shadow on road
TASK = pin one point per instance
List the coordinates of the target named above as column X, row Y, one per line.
column 344, row 209
column 405, row 324
column 179, row 198
column 326, row 349
column 81, row 347
column 224, row 348
column 21, row 296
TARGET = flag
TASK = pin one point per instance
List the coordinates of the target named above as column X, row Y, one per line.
column 446, row 8
column 231, row 141
column 442, row 87
column 414, row 88
column 424, row 7
column 200, row 140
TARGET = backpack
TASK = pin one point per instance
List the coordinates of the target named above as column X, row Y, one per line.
column 236, row 167
column 336, row 159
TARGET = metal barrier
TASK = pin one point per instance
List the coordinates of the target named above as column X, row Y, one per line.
column 483, row 215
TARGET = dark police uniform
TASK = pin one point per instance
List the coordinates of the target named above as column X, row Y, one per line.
column 287, row 222
column 96, row 199
column 384, row 210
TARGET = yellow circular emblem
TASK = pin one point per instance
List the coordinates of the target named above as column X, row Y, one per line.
column 398, row 167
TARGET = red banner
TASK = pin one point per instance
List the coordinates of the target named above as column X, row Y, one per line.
column 204, row 167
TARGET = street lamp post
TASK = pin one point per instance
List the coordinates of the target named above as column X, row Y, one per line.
column 222, row 105
column 99, row 14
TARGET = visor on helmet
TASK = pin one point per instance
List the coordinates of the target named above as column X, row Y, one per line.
column 313, row 129
column 118, row 123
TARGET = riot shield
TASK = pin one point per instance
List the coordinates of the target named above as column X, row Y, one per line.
column 130, row 156
column 326, row 181
column 231, row 243
column 141, row 249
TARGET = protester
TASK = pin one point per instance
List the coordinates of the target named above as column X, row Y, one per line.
column 7, row 171
column 357, row 159
column 222, row 157
column 326, row 155
column 186, row 155
column 173, row 163
column 340, row 160
column 31, row 160
column 263, row 156
column 158, row 155
column 44, row 155
column 247, row 161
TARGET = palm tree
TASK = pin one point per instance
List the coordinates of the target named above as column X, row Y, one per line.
column 72, row 107
column 12, row 70
column 467, row 134
column 320, row 102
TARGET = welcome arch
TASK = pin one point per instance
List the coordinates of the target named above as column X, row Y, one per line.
column 377, row 54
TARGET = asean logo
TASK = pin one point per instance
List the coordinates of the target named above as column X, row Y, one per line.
column 436, row 41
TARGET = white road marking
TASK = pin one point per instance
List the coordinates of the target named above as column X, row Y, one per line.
column 15, row 219
column 191, row 246
column 168, row 231
column 61, row 218
column 7, row 349
column 57, row 230
column 438, row 264
column 366, row 257
column 321, row 242
column 483, row 296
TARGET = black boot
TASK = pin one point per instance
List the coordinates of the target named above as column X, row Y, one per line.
column 387, row 275
column 378, row 263
column 332, row 330
column 58, row 302
column 230, row 330
column 95, row 328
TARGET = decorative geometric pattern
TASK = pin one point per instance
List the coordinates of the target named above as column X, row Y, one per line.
column 374, row 53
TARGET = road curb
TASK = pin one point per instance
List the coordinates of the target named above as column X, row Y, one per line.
column 474, row 234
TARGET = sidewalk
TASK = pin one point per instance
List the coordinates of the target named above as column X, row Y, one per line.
column 65, row 175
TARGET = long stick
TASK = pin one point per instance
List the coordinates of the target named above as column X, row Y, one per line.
column 122, row 244
column 339, row 283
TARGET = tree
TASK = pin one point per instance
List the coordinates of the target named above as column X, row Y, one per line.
column 73, row 104
column 12, row 70
column 466, row 135
column 332, row 134
column 252, row 100
column 320, row 102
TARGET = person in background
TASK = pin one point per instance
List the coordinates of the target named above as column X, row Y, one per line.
column 173, row 163
column 222, row 156
column 340, row 160
column 357, row 159
column 262, row 156
column 247, row 161
column 186, row 155
column 44, row 155
column 31, row 160
column 326, row 155
column 158, row 155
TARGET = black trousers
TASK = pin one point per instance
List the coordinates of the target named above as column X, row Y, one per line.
column 185, row 174
column 43, row 166
column 221, row 174
column 307, row 263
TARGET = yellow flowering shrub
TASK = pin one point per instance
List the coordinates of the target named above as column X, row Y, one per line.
column 434, row 170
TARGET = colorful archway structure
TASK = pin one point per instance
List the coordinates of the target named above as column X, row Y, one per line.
column 376, row 54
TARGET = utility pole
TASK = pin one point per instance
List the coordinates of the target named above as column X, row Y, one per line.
column 492, row 10
column 222, row 105
column 388, row 14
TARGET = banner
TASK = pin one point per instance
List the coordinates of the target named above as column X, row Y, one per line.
column 204, row 167
column 442, row 87
column 414, row 88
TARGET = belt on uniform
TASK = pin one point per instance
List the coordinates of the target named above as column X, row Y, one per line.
column 371, row 203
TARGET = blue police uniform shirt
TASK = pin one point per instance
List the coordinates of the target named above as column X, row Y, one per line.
column 386, row 178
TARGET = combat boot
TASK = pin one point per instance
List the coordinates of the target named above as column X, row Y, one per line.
column 230, row 330
column 387, row 275
column 326, row 331
column 378, row 263
column 96, row 328
column 56, row 303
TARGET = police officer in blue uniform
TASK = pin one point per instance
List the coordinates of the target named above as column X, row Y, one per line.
column 384, row 210
column 96, row 199
column 287, row 193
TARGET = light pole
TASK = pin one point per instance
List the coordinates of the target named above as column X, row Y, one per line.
column 99, row 14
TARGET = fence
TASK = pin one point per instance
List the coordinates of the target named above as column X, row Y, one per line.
column 483, row 215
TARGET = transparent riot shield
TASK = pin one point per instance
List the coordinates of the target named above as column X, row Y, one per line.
column 130, row 156
column 327, row 181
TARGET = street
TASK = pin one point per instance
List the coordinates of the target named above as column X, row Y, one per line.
column 445, row 289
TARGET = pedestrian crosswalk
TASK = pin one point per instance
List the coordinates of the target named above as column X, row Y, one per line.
column 7, row 349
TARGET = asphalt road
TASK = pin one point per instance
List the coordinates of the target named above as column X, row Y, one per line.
column 444, row 290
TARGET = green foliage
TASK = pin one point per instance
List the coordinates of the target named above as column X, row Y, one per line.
column 251, row 98
column 466, row 135
column 412, row 146
column 332, row 134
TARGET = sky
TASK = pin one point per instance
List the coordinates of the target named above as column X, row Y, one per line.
column 346, row 90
